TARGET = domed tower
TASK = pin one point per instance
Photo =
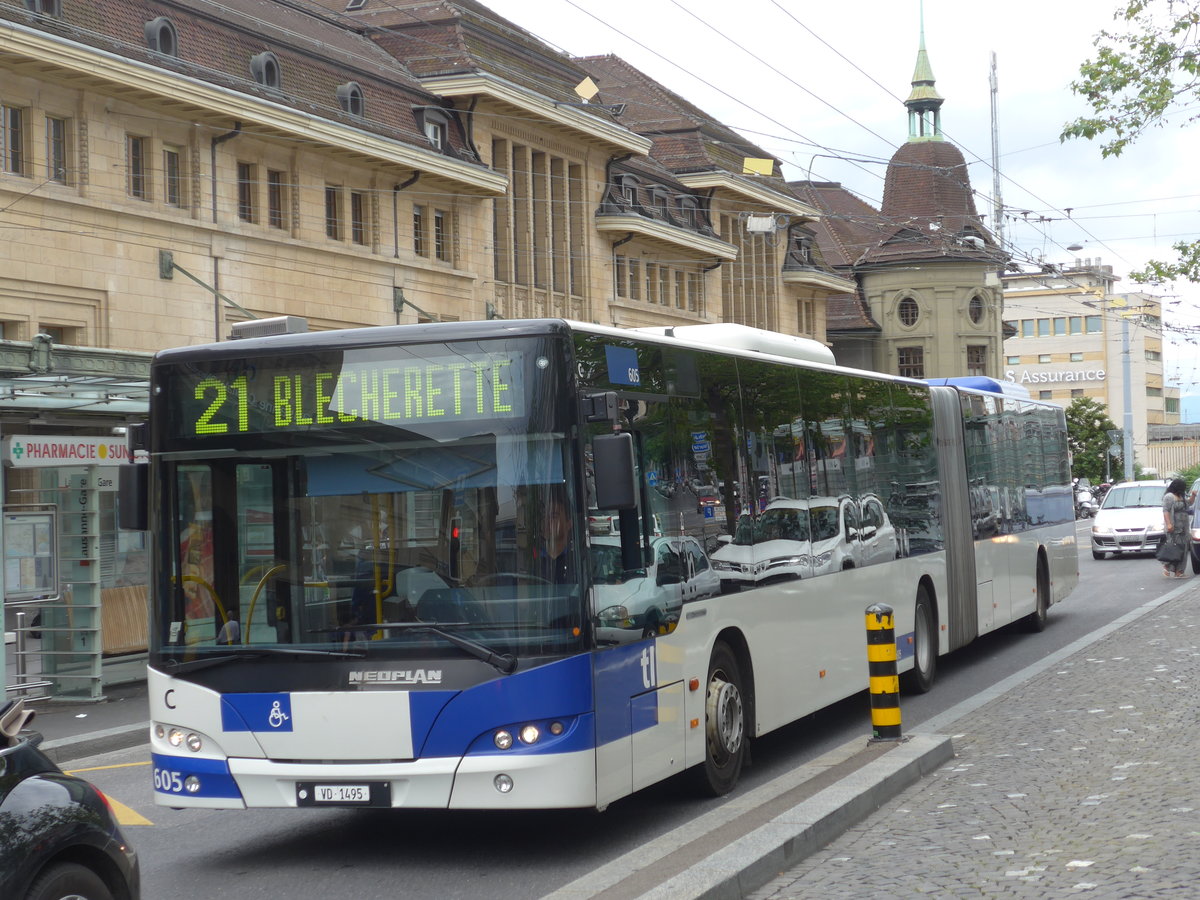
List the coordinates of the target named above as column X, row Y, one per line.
column 932, row 280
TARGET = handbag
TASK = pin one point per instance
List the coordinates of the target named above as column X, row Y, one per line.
column 1168, row 552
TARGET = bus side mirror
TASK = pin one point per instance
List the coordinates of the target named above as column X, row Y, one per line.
column 133, row 497
column 615, row 479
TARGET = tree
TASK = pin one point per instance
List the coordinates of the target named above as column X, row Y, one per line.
column 1141, row 78
column 1088, row 425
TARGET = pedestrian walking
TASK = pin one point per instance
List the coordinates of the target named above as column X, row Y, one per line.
column 1174, row 550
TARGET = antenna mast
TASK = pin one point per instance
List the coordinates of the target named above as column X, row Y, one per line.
column 997, row 203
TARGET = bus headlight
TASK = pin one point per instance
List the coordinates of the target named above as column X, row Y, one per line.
column 191, row 784
column 530, row 734
column 503, row 783
column 194, row 743
column 175, row 737
column 503, row 739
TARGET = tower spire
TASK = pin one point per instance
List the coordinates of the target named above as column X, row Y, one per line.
column 924, row 102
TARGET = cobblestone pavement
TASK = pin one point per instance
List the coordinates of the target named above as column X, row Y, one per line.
column 1084, row 780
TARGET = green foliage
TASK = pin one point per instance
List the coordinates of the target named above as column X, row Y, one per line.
column 1142, row 77
column 1088, row 425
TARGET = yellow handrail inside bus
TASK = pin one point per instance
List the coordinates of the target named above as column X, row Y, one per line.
column 254, row 599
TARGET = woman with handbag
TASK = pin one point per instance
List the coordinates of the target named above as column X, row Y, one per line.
column 1173, row 551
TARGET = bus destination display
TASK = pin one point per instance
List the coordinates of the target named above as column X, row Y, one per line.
column 464, row 387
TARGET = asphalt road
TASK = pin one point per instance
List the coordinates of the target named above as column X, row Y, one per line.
column 305, row 854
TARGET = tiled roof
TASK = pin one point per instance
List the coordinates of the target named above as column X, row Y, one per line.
column 316, row 51
column 848, row 227
column 452, row 37
column 686, row 139
column 848, row 312
column 926, row 179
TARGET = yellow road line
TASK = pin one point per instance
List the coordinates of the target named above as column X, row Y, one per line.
column 123, row 814
column 102, row 768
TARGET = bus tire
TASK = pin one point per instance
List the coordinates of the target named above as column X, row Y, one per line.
column 724, row 725
column 920, row 678
column 1036, row 620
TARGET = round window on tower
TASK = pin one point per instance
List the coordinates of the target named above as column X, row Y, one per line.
column 975, row 309
column 909, row 312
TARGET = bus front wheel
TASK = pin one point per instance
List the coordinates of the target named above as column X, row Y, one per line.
column 920, row 679
column 724, row 724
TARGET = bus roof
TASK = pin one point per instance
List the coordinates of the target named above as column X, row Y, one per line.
column 983, row 383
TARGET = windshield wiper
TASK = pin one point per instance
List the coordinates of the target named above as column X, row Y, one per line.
column 171, row 666
column 504, row 662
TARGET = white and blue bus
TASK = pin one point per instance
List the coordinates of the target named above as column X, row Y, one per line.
column 462, row 565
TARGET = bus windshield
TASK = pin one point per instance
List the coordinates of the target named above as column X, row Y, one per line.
column 391, row 539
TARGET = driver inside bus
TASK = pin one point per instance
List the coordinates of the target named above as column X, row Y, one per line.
column 546, row 516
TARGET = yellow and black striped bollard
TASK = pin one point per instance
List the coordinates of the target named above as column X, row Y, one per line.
column 885, row 683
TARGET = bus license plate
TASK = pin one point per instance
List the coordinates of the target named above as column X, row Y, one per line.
column 377, row 793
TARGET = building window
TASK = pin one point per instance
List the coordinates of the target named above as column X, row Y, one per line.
column 619, row 276
column 909, row 312
column 138, row 183
column 419, row 231
column 1092, row 324
column 441, row 235
column 56, row 150
column 435, row 130
column 1153, row 392
column 276, row 199
column 350, row 98
column 60, row 334
column 12, row 139
column 45, row 7
column 245, row 191
column 975, row 310
column 1012, row 360
column 696, row 293
column 1077, row 392
column 1027, row 328
column 1045, row 395
column 664, row 286
column 635, row 279
column 651, row 283
column 976, row 360
column 680, row 291
column 1060, row 327
column 1076, row 357
column 1044, row 358
column 1153, row 356
column 1043, row 328
column 358, row 217
column 1075, row 325
column 161, row 36
column 1171, row 405
column 911, row 362
column 539, row 226
column 264, row 67
column 173, row 175
column 333, row 212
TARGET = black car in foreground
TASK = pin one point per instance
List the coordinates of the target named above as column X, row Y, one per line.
column 59, row 839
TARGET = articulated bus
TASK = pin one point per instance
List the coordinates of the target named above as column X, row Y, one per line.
column 463, row 565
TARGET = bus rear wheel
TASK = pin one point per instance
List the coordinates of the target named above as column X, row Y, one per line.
column 724, row 725
column 920, row 678
column 1036, row 620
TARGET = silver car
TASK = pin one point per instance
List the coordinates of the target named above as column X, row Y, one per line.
column 1130, row 520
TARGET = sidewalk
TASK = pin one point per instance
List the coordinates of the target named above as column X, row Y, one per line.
column 1080, row 780
column 73, row 729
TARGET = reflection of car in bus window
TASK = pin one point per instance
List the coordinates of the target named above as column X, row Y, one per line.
column 644, row 602
column 773, row 547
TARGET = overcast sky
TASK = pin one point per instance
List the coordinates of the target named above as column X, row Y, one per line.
column 820, row 85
